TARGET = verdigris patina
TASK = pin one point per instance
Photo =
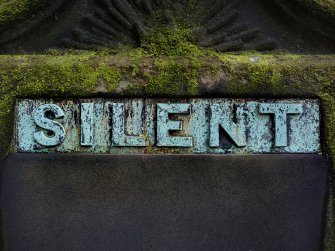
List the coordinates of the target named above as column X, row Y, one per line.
column 170, row 49
column 212, row 126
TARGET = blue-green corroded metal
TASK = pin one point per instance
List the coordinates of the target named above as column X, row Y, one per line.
column 280, row 112
column 87, row 124
column 211, row 126
column 222, row 116
column 127, row 126
column 165, row 125
column 55, row 130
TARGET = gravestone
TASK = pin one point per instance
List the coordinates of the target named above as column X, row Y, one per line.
column 174, row 125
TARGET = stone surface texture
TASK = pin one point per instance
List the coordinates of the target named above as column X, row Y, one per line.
column 145, row 202
column 167, row 49
column 222, row 25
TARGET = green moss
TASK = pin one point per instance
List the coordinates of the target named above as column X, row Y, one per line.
column 328, row 102
column 278, row 74
column 49, row 77
column 327, row 6
column 137, row 73
column 329, row 112
column 12, row 11
column 324, row 6
column 110, row 77
column 141, row 74
column 172, row 78
column 171, row 42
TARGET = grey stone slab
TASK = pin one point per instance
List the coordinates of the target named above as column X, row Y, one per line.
column 170, row 202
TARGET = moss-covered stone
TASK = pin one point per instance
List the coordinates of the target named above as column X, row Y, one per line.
column 12, row 11
column 171, row 42
column 326, row 7
column 139, row 73
column 329, row 121
column 328, row 101
column 167, row 65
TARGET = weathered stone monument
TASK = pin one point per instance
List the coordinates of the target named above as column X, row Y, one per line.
column 167, row 125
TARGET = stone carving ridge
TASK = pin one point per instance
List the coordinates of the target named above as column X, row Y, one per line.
column 221, row 30
column 23, row 28
column 317, row 15
column 214, row 24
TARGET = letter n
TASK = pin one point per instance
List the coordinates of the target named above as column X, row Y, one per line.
column 222, row 115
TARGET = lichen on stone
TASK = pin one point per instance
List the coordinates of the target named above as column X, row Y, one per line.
column 322, row 6
column 13, row 11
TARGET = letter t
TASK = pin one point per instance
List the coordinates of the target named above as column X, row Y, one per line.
column 280, row 112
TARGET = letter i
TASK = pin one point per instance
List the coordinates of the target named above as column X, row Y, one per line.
column 86, row 119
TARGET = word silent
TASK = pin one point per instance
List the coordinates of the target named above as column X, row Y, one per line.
column 152, row 126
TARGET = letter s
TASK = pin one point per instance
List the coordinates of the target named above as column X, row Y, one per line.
column 43, row 122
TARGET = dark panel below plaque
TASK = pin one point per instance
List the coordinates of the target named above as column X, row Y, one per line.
column 165, row 202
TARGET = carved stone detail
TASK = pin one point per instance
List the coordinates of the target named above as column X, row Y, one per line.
column 214, row 24
column 12, row 33
column 222, row 25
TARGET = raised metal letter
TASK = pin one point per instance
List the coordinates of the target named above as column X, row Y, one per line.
column 165, row 125
column 280, row 111
column 86, row 117
column 119, row 137
column 222, row 115
column 57, row 135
